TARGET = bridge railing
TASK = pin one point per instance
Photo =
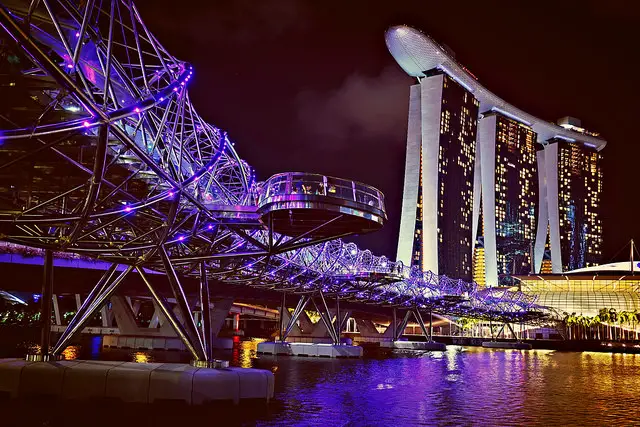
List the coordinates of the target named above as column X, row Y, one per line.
column 290, row 183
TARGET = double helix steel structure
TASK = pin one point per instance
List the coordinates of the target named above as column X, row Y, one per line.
column 102, row 154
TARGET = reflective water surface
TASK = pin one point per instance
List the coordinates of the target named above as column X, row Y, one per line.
column 462, row 386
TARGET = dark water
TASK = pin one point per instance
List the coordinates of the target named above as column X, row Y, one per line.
column 462, row 386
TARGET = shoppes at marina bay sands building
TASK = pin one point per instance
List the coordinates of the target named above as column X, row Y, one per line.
column 490, row 191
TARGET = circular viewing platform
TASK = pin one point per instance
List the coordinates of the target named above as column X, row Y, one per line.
column 320, row 206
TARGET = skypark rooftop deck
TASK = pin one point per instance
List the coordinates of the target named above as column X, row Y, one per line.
column 418, row 53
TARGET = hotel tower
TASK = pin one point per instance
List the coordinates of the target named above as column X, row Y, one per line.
column 490, row 191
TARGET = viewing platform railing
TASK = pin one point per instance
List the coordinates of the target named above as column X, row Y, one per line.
column 292, row 183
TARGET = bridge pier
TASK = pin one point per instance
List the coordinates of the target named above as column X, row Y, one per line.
column 45, row 311
column 314, row 340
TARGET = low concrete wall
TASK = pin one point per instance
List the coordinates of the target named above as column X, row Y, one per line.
column 132, row 382
column 309, row 349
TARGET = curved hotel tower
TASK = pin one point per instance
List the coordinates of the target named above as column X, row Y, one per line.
column 490, row 191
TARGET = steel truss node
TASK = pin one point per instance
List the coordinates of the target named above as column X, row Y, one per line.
column 103, row 155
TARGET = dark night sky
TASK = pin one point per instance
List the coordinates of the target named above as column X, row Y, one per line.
column 310, row 85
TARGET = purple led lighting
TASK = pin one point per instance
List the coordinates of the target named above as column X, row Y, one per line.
column 77, row 35
column 128, row 209
column 175, row 89
column 69, row 65
column 161, row 98
column 181, row 238
column 210, row 227
column 170, row 193
column 86, row 124
column 137, row 110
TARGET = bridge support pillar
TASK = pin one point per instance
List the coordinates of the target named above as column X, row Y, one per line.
column 56, row 310
column 125, row 317
column 45, row 307
column 103, row 290
column 207, row 334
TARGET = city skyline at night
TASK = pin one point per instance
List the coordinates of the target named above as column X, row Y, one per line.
column 522, row 189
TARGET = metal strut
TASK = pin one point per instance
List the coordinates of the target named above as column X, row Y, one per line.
column 169, row 314
column 418, row 316
column 107, row 288
column 327, row 323
column 45, row 308
column 304, row 300
column 183, row 305
column 403, row 325
column 207, row 334
column 283, row 308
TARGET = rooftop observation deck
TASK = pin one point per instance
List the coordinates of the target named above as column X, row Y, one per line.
column 418, row 53
column 320, row 205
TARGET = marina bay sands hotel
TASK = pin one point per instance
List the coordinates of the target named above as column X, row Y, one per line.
column 491, row 191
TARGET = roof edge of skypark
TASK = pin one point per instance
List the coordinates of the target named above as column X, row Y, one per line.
column 416, row 52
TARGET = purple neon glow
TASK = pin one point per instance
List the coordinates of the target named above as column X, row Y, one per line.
column 128, row 209
column 181, row 238
column 69, row 65
column 137, row 110
column 86, row 124
column 210, row 227
column 77, row 35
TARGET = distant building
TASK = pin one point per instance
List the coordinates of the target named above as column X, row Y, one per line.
column 586, row 291
column 490, row 191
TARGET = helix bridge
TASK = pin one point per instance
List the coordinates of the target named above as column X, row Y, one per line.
column 103, row 155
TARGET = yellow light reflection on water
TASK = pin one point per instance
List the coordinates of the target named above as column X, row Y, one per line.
column 245, row 351
column 141, row 357
column 71, row 352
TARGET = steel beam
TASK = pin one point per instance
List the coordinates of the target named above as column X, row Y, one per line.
column 46, row 300
column 418, row 316
column 302, row 303
column 169, row 315
column 207, row 335
column 183, row 305
column 80, row 319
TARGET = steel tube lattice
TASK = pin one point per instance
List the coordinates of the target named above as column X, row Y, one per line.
column 102, row 154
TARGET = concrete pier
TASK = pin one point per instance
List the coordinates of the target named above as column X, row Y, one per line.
column 309, row 349
column 156, row 343
column 132, row 382
column 414, row 345
column 507, row 344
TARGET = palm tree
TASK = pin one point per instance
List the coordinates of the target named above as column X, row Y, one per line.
column 603, row 314
column 580, row 322
column 625, row 318
column 613, row 318
column 570, row 322
column 595, row 320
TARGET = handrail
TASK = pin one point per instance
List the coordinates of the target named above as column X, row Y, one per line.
column 289, row 183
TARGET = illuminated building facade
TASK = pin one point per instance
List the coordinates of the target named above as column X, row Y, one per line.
column 575, row 231
column 438, row 192
column 529, row 188
column 509, row 191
